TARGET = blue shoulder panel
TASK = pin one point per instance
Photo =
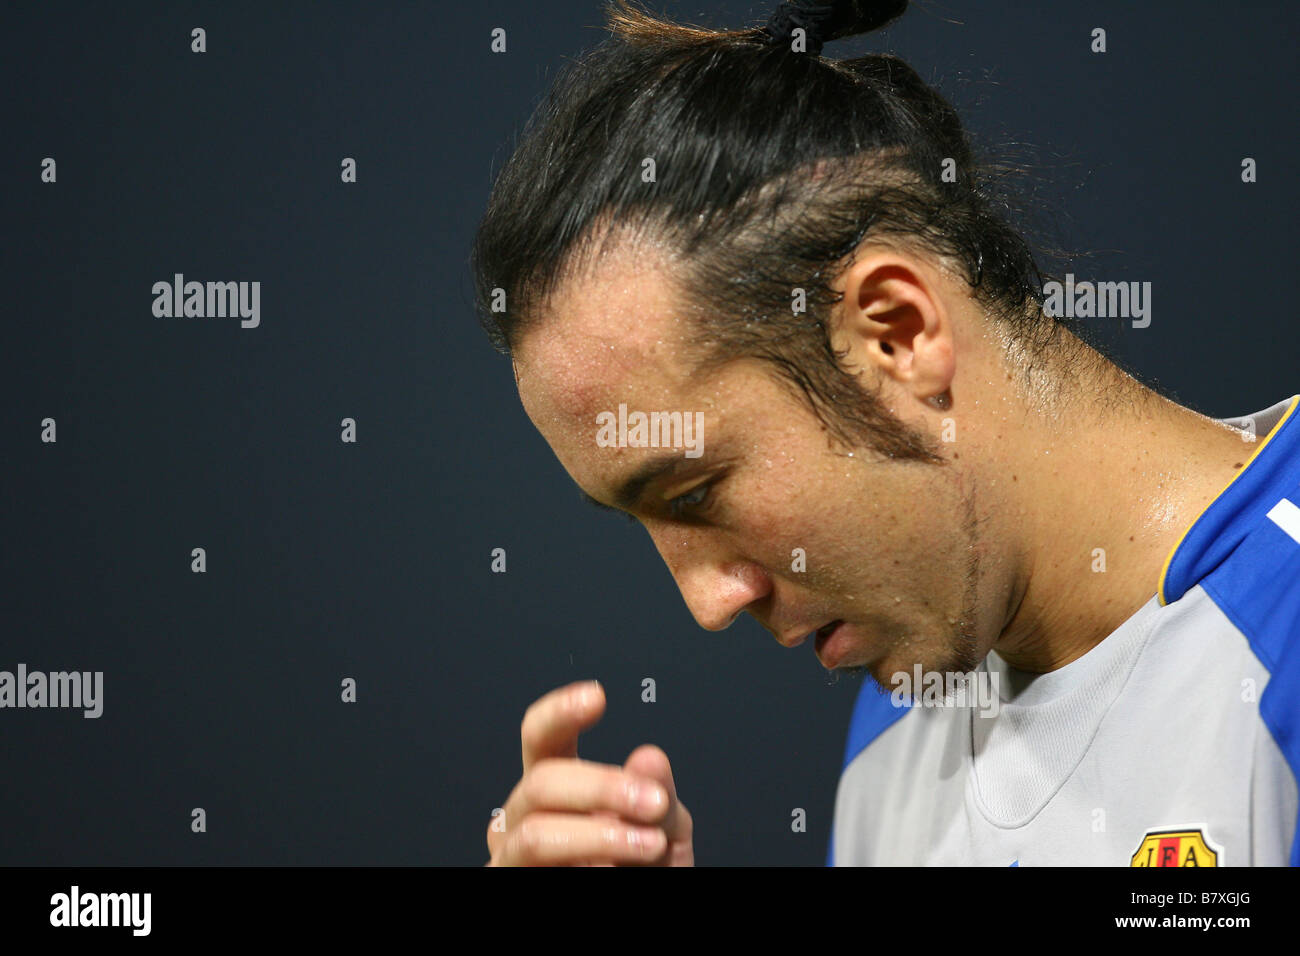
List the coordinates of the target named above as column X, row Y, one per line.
column 1258, row 589
column 1269, row 473
column 1244, row 550
column 873, row 713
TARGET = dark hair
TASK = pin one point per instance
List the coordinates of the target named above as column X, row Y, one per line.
column 772, row 166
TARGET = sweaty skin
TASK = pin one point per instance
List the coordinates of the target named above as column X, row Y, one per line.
column 928, row 564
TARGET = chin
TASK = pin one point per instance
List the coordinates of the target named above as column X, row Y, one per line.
column 883, row 674
column 883, row 669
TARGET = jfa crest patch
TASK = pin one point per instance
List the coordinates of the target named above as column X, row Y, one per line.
column 1181, row 847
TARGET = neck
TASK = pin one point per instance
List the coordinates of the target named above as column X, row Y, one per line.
column 1100, row 499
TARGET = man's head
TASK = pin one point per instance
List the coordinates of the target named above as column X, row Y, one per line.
column 801, row 251
column 777, row 517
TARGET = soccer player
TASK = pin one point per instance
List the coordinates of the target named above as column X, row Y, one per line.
column 898, row 455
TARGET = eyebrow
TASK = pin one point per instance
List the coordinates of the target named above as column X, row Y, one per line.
column 629, row 491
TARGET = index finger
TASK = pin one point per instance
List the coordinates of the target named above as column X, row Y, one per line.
column 553, row 722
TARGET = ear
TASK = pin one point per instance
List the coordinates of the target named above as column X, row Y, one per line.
column 894, row 320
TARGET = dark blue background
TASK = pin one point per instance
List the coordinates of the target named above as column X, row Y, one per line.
column 371, row 561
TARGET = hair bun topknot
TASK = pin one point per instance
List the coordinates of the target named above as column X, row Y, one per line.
column 823, row 22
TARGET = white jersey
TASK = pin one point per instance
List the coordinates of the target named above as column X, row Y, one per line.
column 1173, row 742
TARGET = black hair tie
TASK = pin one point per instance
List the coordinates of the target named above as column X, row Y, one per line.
column 791, row 14
column 829, row 21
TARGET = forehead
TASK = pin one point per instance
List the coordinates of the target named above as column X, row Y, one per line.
column 614, row 335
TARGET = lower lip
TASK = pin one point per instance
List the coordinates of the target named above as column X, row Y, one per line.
column 832, row 646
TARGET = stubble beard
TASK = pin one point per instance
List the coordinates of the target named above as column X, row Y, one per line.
column 959, row 652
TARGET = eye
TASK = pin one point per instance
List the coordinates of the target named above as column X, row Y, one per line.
column 691, row 501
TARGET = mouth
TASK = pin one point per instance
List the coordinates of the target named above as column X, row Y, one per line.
column 830, row 642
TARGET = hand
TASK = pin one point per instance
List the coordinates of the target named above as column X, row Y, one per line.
column 566, row 811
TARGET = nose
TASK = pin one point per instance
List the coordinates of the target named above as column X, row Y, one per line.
column 716, row 586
